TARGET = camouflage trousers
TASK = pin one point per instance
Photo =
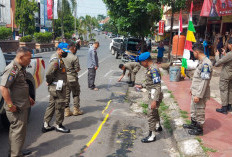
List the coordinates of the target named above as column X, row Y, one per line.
column 153, row 117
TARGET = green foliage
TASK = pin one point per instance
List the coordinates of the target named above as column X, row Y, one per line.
column 145, row 106
column 101, row 17
column 67, row 35
column 187, row 121
column 136, row 17
column 5, row 33
column 24, row 15
column 205, row 149
column 27, row 38
column 43, row 37
column 58, row 38
column 110, row 27
column 176, row 5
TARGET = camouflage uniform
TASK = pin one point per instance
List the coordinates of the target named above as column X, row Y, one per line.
column 56, row 71
column 225, row 84
column 153, row 85
column 200, row 88
column 72, row 65
column 14, row 78
column 133, row 68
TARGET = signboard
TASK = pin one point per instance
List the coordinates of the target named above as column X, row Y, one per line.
column 161, row 27
column 49, row 9
column 214, row 8
column 42, row 13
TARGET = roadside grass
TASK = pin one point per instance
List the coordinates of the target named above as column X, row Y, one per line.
column 171, row 95
column 126, row 100
column 205, row 149
column 184, row 114
column 167, row 120
column 145, row 108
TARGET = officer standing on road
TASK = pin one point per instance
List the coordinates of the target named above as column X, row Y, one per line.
column 133, row 68
column 56, row 78
column 153, row 85
column 15, row 92
column 200, row 91
column 93, row 65
column 73, row 67
column 225, row 83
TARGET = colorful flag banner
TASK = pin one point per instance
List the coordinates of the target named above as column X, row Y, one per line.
column 188, row 43
column 49, row 8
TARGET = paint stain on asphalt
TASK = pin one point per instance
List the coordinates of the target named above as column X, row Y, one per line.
column 126, row 140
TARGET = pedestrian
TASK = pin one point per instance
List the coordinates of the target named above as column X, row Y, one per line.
column 133, row 68
column 78, row 43
column 206, row 47
column 56, row 78
column 93, row 65
column 220, row 46
column 149, row 45
column 200, row 91
column 73, row 67
column 15, row 92
column 160, row 52
column 225, row 84
column 153, row 85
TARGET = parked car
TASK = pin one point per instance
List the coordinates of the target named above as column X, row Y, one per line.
column 34, row 77
column 112, row 36
column 128, row 44
column 115, row 40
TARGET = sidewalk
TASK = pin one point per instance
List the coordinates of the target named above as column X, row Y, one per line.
column 217, row 127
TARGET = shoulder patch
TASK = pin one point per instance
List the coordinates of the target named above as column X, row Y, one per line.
column 205, row 72
column 155, row 76
column 10, row 78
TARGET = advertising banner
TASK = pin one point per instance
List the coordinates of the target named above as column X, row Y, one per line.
column 214, row 8
column 55, row 9
column 161, row 27
column 49, row 8
column 42, row 13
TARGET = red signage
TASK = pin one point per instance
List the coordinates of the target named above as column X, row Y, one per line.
column 161, row 27
column 49, row 8
column 214, row 8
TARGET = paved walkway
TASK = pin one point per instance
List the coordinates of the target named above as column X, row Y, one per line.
column 217, row 127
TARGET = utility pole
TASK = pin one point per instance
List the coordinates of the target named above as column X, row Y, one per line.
column 62, row 19
column 75, row 21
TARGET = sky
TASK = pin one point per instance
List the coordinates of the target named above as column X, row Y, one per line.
column 90, row 7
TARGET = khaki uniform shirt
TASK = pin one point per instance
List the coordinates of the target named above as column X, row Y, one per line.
column 14, row 78
column 153, row 82
column 201, row 79
column 72, row 66
column 226, row 63
column 56, row 70
column 132, row 67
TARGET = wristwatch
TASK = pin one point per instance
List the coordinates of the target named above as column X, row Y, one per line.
column 10, row 105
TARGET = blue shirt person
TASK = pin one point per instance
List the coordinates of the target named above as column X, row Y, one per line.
column 206, row 48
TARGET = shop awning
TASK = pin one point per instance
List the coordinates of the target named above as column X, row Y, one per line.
column 168, row 28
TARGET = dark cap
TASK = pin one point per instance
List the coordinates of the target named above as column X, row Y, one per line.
column 199, row 47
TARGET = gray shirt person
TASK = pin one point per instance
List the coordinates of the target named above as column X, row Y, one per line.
column 92, row 61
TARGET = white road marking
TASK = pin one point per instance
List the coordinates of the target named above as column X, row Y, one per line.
column 87, row 70
column 108, row 73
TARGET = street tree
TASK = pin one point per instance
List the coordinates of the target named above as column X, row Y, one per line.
column 176, row 6
column 100, row 17
column 24, row 16
column 136, row 17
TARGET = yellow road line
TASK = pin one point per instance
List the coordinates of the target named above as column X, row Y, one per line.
column 98, row 131
column 106, row 106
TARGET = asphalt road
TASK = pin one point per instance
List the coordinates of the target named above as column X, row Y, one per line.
column 108, row 128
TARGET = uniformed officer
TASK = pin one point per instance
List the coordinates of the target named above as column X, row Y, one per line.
column 200, row 91
column 133, row 68
column 225, row 83
column 73, row 67
column 15, row 92
column 56, row 78
column 153, row 85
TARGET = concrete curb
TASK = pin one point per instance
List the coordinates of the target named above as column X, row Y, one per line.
column 188, row 145
column 44, row 50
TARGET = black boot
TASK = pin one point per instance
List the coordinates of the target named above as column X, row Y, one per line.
column 229, row 109
column 26, row 152
column 61, row 128
column 222, row 110
column 47, row 128
column 132, row 84
column 129, row 82
column 159, row 129
column 147, row 139
column 198, row 130
column 190, row 126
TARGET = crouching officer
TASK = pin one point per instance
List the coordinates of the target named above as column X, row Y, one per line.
column 73, row 67
column 225, row 83
column 15, row 92
column 56, row 78
column 133, row 68
column 200, row 91
column 153, row 85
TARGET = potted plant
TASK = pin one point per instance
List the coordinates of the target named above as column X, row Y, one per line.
column 43, row 40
